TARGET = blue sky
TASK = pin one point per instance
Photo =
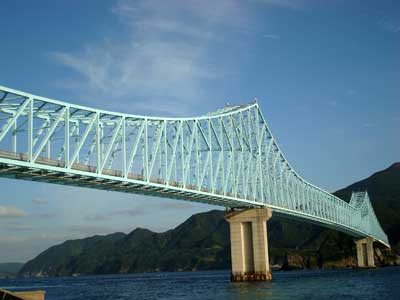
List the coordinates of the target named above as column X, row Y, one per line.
column 326, row 74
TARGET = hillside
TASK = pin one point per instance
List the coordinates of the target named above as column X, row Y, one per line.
column 202, row 242
column 198, row 243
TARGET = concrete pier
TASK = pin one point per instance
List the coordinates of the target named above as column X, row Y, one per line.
column 249, row 244
column 365, row 253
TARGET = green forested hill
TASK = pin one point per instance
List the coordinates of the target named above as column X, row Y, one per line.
column 202, row 242
column 198, row 243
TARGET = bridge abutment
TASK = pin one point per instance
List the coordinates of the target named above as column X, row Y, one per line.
column 365, row 253
column 249, row 244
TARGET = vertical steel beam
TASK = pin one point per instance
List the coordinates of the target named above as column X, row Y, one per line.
column 165, row 151
column 98, row 144
column 48, row 144
column 146, row 150
column 14, row 137
column 124, row 146
column 67, row 136
column 30, row 130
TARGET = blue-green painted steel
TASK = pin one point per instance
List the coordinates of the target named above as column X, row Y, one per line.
column 227, row 158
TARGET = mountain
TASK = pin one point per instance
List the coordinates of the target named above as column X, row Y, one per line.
column 10, row 269
column 384, row 191
column 202, row 242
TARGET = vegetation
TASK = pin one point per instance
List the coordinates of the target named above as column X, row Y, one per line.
column 202, row 242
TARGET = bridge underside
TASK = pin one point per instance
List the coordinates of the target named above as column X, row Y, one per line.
column 89, row 180
column 155, row 187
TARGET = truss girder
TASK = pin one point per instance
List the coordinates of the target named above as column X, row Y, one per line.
column 227, row 158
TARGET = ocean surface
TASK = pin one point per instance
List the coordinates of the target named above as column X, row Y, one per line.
column 381, row 283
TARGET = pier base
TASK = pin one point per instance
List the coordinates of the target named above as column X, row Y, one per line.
column 365, row 253
column 249, row 244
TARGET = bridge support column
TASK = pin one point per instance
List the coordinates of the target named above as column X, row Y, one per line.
column 249, row 244
column 365, row 253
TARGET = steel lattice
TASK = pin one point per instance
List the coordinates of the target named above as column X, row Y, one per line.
column 227, row 158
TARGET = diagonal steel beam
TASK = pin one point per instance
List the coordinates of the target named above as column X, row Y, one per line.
column 113, row 138
column 10, row 122
column 82, row 141
column 134, row 150
column 48, row 135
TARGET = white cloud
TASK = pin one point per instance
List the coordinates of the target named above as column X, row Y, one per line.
column 162, row 62
column 164, row 55
column 11, row 212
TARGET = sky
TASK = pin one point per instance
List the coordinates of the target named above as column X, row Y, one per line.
column 326, row 75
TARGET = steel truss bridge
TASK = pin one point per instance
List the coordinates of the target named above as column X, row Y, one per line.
column 227, row 158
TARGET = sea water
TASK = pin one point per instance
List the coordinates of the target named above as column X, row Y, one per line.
column 363, row 284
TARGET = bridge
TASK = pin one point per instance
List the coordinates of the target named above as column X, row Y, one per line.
column 227, row 158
